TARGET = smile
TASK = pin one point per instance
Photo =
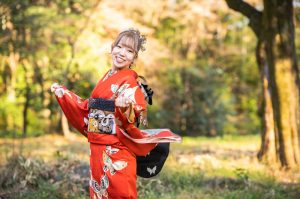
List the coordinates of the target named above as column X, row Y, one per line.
column 119, row 59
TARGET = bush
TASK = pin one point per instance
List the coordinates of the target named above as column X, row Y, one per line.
column 32, row 178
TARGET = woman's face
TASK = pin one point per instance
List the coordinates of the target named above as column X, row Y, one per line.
column 123, row 53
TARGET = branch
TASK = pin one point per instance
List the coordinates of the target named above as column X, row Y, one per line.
column 254, row 16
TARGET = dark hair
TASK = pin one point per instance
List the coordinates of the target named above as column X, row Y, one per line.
column 138, row 40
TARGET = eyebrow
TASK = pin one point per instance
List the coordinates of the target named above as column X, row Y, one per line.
column 127, row 45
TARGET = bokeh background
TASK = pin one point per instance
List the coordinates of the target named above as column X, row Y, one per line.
column 200, row 60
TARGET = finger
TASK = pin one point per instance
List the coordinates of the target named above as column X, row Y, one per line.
column 118, row 102
column 124, row 101
column 129, row 101
column 54, row 86
column 59, row 92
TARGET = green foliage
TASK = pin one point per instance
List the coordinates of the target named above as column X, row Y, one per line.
column 20, row 173
column 170, row 31
column 45, row 190
column 210, row 77
column 32, row 178
column 197, row 101
column 210, row 88
column 188, row 185
column 10, row 117
column 242, row 174
column 189, row 172
column 40, row 35
column 169, row 184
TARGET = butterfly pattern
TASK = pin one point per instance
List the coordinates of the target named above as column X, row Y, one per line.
column 110, row 150
column 151, row 171
column 114, row 88
column 111, row 166
column 121, row 89
column 100, row 190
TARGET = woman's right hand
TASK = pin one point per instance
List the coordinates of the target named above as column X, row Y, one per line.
column 54, row 86
column 57, row 89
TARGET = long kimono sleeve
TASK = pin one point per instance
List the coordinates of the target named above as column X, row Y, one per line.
column 141, row 142
column 127, row 117
column 74, row 108
column 133, row 112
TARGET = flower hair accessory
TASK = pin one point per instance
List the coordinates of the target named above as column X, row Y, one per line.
column 140, row 39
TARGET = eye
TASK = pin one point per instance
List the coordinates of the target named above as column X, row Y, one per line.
column 119, row 46
column 130, row 51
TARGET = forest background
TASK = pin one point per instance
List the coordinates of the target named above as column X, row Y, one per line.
column 200, row 60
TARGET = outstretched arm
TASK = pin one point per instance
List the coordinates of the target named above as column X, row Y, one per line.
column 75, row 108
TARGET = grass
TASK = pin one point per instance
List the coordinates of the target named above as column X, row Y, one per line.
column 196, row 168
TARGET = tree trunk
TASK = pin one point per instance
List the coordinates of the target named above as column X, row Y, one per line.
column 65, row 125
column 284, row 79
column 13, row 60
column 267, row 152
column 11, row 79
column 23, row 36
column 27, row 100
column 276, row 56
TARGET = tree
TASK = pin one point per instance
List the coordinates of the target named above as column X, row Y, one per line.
column 276, row 58
column 38, row 48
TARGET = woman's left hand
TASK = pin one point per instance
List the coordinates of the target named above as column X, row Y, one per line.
column 122, row 101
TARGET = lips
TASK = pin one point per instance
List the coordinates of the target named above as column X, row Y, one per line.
column 119, row 59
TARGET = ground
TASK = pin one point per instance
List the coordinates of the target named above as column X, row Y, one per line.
column 55, row 167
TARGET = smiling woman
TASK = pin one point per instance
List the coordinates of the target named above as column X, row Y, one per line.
column 110, row 120
column 124, row 52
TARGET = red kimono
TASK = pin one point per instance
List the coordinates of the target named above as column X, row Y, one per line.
column 115, row 146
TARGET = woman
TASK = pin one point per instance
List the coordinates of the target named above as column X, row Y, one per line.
column 108, row 119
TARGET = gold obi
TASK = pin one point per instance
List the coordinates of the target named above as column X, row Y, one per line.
column 101, row 116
